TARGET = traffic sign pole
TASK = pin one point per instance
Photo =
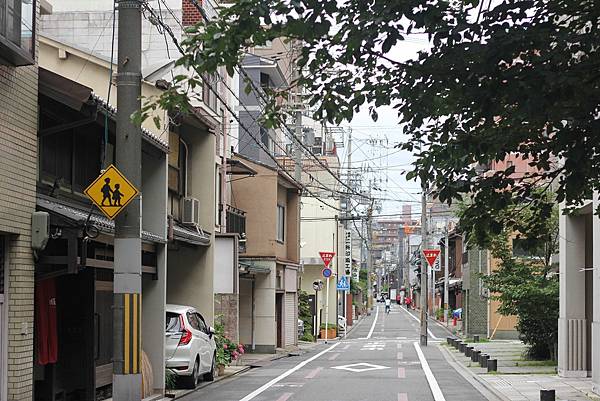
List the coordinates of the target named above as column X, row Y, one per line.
column 326, row 309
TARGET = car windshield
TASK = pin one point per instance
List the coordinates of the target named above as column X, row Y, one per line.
column 172, row 323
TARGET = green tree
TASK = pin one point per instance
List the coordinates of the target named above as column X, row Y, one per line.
column 518, row 76
column 305, row 315
column 527, row 286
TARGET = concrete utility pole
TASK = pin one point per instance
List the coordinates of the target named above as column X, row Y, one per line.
column 446, row 269
column 424, row 266
column 298, row 147
column 369, row 257
column 127, row 350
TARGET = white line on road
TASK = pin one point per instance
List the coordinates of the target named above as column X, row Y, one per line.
column 346, row 346
column 433, row 384
column 402, row 397
column 419, row 320
column 401, row 373
column 285, row 374
column 400, row 355
column 374, row 322
column 333, row 356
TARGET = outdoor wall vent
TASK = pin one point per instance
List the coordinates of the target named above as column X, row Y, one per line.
column 191, row 211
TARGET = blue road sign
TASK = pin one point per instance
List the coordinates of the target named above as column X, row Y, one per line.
column 327, row 272
column 343, row 284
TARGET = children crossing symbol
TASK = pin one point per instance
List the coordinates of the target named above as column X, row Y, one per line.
column 111, row 192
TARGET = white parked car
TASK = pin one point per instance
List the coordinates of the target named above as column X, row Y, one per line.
column 190, row 349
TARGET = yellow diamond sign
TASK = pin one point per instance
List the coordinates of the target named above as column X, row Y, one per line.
column 111, row 192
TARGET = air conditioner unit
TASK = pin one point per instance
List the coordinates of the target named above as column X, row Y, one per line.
column 190, row 211
column 317, row 150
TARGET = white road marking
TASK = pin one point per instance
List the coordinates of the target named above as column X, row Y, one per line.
column 333, row 356
column 433, row 384
column 346, row 346
column 285, row 374
column 399, row 345
column 400, row 355
column 374, row 322
column 402, row 397
column 373, row 346
column 365, row 367
column 401, row 373
column 419, row 320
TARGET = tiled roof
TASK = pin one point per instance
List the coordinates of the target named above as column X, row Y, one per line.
column 146, row 134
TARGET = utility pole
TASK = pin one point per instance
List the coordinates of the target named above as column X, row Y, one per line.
column 446, row 269
column 369, row 257
column 347, row 227
column 127, row 287
column 424, row 266
column 298, row 147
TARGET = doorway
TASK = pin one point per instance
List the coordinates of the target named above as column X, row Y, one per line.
column 279, row 319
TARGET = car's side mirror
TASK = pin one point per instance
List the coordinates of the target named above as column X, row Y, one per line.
column 211, row 331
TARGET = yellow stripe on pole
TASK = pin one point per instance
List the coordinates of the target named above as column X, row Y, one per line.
column 126, row 323
column 134, row 358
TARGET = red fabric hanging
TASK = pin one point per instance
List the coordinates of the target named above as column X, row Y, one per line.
column 47, row 336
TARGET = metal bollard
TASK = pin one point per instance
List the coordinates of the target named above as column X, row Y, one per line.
column 461, row 347
column 483, row 358
column 475, row 338
column 468, row 351
column 475, row 355
column 492, row 365
column 449, row 340
column 547, row 395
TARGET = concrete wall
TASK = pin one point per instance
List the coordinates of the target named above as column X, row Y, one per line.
column 191, row 268
column 261, row 211
column 226, row 285
column 310, row 274
column 18, row 174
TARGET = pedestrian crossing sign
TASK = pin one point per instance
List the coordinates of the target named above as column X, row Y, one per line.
column 343, row 284
column 111, row 192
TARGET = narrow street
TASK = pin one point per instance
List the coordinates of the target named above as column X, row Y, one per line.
column 379, row 361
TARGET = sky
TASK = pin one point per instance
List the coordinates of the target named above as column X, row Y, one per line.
column 388, row 162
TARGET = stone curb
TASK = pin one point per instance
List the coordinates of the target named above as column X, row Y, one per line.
column 206, row 384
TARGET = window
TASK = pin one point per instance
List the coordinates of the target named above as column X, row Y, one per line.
column 265, row 139
column 193, row 319
column 280, row 223
column 209, row 90
column 201, row 323
column 172, row 322
column 17, row 31
column 265, row 80
column 178, row 159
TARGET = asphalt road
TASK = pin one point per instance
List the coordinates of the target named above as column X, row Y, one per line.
column 379, row 361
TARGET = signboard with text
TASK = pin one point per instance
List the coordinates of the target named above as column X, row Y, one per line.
column 327, row 257
column 431, row 256
column 348, row 253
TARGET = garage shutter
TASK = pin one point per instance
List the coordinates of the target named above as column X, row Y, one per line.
column 291, row 319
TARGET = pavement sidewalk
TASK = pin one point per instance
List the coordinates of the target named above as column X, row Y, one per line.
column 518, row 379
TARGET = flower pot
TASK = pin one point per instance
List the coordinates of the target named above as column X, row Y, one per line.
column 220, row 370
column 330, row 333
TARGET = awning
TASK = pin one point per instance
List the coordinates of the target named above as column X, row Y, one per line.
column 78, row 214
column 190, row 235
column 452, row 283
column 253, row 268
column 238, row 167
column 76, row 96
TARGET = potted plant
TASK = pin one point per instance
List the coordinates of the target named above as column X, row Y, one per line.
column 331, row 330
column 227, row 350
column 170, row 383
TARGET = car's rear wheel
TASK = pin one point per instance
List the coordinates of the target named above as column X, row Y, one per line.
column 192, row 380
column 210, row 376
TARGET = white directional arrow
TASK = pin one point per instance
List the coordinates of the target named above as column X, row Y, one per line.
column 360, row 367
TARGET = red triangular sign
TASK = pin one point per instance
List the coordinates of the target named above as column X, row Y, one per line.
column 431, row 255
column 327, row 257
